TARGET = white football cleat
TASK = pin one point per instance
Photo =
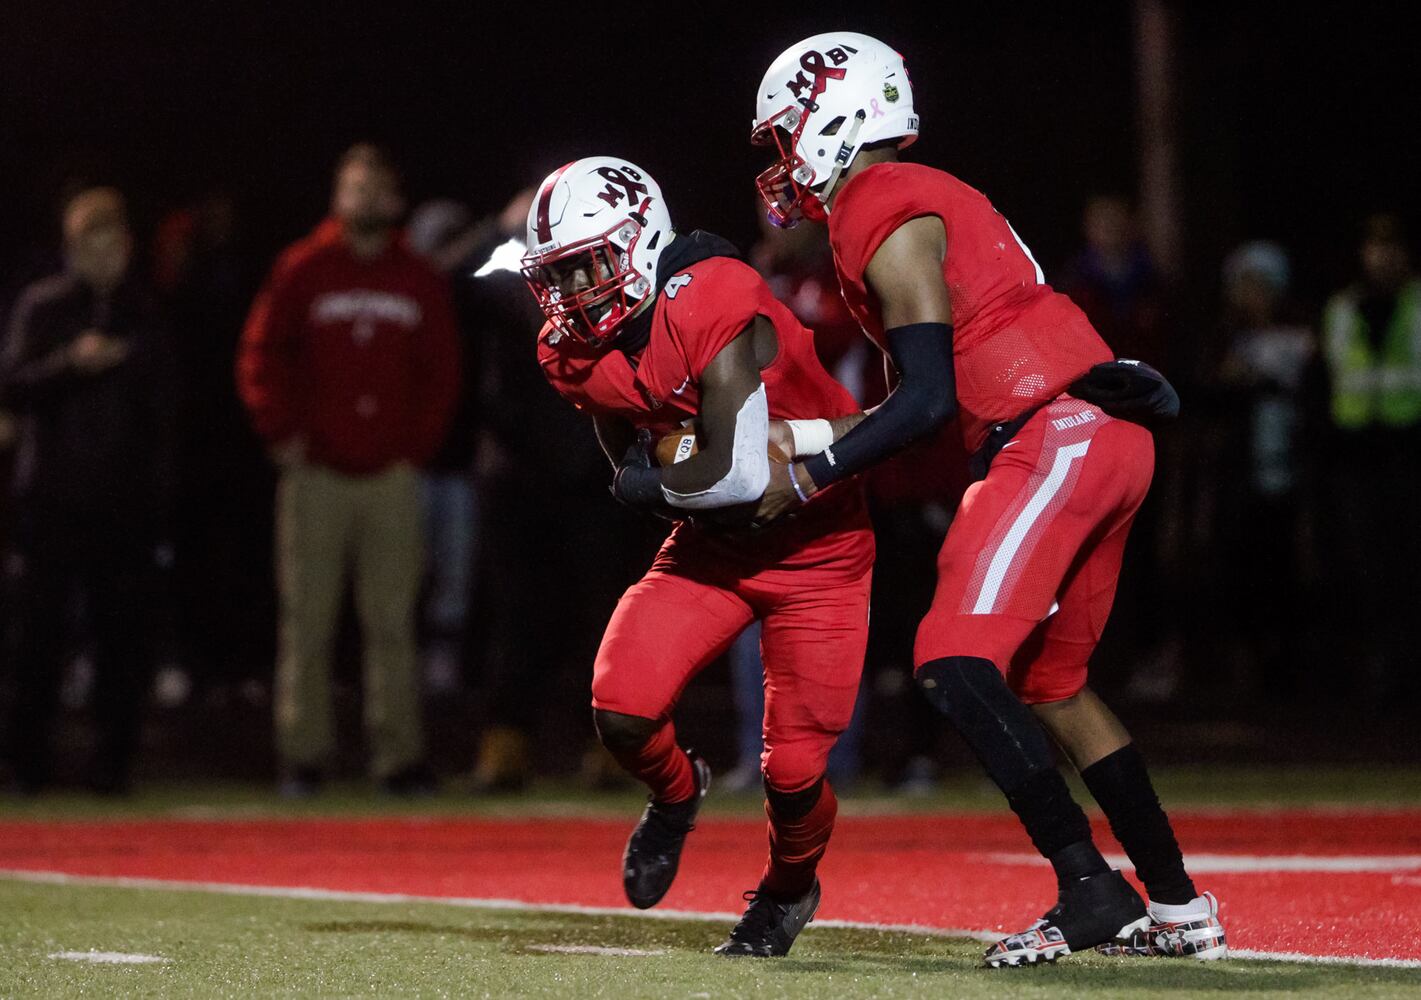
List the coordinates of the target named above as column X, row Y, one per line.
column 1189, row 930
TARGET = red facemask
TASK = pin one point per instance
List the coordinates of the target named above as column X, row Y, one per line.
column 786, row 199
column 594, row 314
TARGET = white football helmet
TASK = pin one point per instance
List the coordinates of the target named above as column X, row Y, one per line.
column 822, row 101
column 595, row 231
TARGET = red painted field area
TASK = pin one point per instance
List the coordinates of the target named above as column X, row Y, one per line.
column 1339, row 884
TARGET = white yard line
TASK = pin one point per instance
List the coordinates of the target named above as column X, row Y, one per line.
column 1221, row 864
column 338, row 895
column 108, row 957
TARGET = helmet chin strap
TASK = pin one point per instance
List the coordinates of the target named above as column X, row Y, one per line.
column 841, row 159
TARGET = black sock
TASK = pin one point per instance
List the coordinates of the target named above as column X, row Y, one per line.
column 1077, row 861
column 1056, row 825
column 1121, row 784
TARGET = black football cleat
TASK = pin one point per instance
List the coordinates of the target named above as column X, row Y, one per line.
column 654, row 849
column 1092, row 911
column 770, row 926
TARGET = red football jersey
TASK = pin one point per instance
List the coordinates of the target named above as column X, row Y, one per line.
column 1016, row 342
column 700, row 310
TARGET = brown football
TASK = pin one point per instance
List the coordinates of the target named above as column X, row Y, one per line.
column 681, row 444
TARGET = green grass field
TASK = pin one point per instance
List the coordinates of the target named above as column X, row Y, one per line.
column 231, row 946
column 240, row 945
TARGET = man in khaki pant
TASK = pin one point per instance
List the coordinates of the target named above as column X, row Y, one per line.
column 349, row 368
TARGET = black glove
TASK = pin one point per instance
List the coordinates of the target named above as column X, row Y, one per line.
column 636, row 483
column 1130, row 390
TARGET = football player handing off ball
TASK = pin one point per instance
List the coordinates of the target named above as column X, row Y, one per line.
column 1026, row 576
column 649, row 329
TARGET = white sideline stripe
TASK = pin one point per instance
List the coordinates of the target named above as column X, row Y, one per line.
column 594, row 949
column 1021, row 527
column 344, row 896
column 1220, row 864
column 1296, row 956
column 108, row 957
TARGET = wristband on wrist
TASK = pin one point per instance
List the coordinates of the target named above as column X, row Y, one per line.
column 794, row 481
column 810, row 436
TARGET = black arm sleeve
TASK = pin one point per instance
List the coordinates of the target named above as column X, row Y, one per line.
column 925, row 399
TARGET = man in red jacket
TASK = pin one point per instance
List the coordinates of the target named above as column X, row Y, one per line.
column 349, row 367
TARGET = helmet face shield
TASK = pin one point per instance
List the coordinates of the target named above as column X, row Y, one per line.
column 785, row 185
column 587, row 290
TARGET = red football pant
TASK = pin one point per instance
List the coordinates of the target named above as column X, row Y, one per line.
column 1027, row 573
column 673, row 622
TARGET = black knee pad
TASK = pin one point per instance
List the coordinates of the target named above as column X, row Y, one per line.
column 623, row 733
column 1004, row 734
column 791, row 806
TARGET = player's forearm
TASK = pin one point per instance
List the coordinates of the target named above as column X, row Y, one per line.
column 699, row 472
column 805, row 438
column 924, row 400
column 842, row 425
column 733, row 469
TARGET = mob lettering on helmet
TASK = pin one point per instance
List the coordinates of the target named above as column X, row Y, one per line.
column 626, row 179
column 821, row 73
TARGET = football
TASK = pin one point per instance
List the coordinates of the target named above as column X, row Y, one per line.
column 681, row 444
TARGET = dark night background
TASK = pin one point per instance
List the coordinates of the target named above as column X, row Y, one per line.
column 1292, row 125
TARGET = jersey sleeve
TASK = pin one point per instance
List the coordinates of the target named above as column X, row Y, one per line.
column 868, row 212
column 601, row 383
column 708, row 306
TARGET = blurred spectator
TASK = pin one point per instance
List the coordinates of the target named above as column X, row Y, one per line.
column 1115, row 281
column 89, row 374
column 1263, row 518
column 438, row 230
column 349, row 368
column 1373, row 333
column 223, row 525
column 1372, row 341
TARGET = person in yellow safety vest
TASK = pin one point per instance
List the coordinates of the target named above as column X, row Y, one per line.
column 1370, row 536
column 1372, row 333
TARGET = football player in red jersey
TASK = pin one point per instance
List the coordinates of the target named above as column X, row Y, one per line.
column 648, row 329
column 1026, row 576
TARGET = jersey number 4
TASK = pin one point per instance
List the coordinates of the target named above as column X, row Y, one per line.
column 677, row 283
